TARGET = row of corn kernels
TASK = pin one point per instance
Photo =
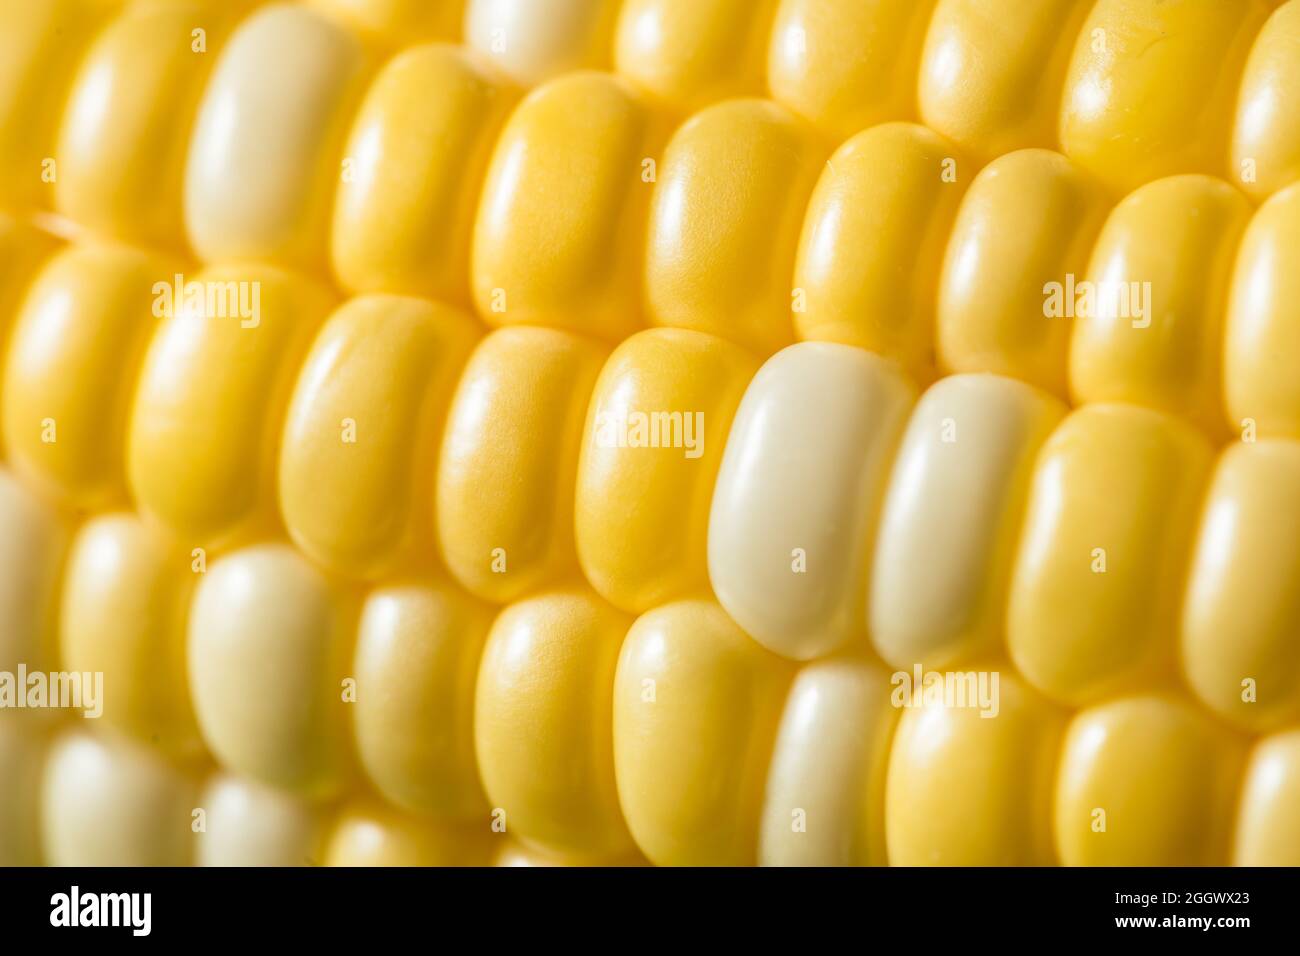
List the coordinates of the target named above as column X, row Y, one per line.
column 895, row 253
column 1132, row 89
column 684, row 736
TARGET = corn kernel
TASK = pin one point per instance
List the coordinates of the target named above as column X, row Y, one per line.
column 542, row 722
column 992, row 71
column 559, row 232
column 1146, row 781
column 824, row 804
column 1107, row 531
column 367, row 834
column 515, row 427
column 1242, row 611
column 414, row 162
column 873, row 240
column 951, row 518
column 269, row 655
column 689, row 55
column 1262, row 338
column 248, row 824
column 1266, row 130
column 125, row 130
column 360, row 445
column 1151, row 85
column 655, row 433
column 417, row 659
column 126, row 594
column 264, row 155
column 1153, row 334
column 23, row 251
column 533, row 42
column 972, row 786
column 1268, row 828
column 731, row 192
column 73, row 354
column 1027, row 222
column 799, row 492
column 107, row 801
column 206, row 422
column 40, row 47
column 696, row 707
column 845, row 65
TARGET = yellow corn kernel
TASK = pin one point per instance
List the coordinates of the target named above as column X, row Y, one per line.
column 264, row 154
column 1095, row 587
column 1242, row 609
column 1151, row 86
column 360, row 444
column 417, row 659
column 824, row 804
column 509, row 461
column 414, row 163
column 124, row 133
column 1146, row 781
column 269, row 653
column 689, row 55
column 1268, row 827
column 73, row 354
column 1153, row 332
column 249, row 824
column 845, row 65
column 22, row 756
column 560, row 226
column 696, row 707
column 732, row 189
column 656, row 428
column 1266, row 131
column 400, row 23
column 970, row 780
column 542, row 722
column 23, row 250
column 1028, row 220
column 108, row 801
column 125, row 603
column 873, row 242
column 40, row 47
column 32, row 549
column 532, row 42
column 369, row 834
column 205, row 426
column 992, row 70
column 951, row 519
column 798, row 495
column 1261, row 350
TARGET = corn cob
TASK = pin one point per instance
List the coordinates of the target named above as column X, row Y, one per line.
column 375, row 542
